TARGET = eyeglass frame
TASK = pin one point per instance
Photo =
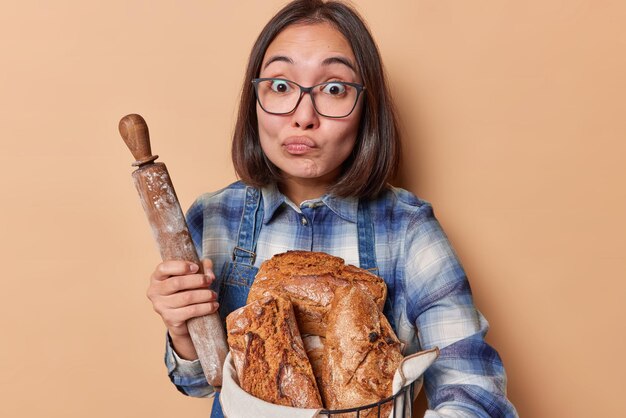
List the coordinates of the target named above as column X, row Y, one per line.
column 303, row 90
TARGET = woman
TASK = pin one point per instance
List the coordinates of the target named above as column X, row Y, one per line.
column 315, row 145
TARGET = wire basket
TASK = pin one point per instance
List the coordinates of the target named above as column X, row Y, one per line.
column 402, row 406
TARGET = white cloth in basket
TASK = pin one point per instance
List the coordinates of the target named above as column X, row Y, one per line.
column 237, row 403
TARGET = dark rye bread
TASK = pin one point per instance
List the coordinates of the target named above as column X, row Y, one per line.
column 309, row 279
column 361, row 354
column 269, row 355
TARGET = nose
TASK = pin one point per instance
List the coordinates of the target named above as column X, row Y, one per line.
column 305, row 116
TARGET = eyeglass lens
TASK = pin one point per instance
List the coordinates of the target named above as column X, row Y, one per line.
column 332, row 99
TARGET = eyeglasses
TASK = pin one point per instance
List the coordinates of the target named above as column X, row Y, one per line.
column 333, row 99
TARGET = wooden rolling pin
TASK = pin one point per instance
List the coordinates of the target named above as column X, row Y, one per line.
column 171, row 233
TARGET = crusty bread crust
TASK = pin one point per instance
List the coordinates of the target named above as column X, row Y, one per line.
column 269, row 355
column 350, row 351
column 361, row 354
column 310, row 280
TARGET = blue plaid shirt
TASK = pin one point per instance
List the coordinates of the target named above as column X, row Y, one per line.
column 428, row 289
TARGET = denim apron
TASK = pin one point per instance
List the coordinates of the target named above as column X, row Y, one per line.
column 239, row 273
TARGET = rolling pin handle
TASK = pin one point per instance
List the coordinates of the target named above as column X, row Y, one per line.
column 134, row 131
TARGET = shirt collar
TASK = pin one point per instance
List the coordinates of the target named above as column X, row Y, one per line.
column 344, row 207
column 272, row 200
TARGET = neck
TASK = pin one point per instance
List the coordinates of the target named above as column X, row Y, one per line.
column 299, row 190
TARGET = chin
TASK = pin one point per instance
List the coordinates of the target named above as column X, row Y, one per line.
column 302, row 172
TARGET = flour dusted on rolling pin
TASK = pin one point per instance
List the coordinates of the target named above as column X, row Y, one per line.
column 171, row 234
column 161, row 204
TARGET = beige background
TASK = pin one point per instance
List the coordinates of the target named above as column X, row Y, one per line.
column 515, row 118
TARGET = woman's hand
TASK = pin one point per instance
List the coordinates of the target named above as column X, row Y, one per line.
column 178, row 294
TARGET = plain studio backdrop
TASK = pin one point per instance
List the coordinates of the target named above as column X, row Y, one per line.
column 514, row 118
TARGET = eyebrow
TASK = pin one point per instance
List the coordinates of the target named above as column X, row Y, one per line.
column 328, row 61
column 339, row 60
column 280, row 58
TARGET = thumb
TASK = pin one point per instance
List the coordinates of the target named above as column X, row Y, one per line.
column 207, row 265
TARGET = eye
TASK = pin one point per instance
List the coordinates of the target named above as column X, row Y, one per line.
column 334, row 89
column 280, row 86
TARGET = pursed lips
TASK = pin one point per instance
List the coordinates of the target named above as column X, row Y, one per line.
column 298, row 145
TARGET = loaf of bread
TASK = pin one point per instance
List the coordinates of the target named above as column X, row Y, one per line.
column 310, row 279
column 348, row 353
column 269, row 355
column 361, row 354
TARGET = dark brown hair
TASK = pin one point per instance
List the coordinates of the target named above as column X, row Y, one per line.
column 374, row 159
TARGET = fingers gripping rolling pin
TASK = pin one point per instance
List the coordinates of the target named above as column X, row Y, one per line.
column 169, row 228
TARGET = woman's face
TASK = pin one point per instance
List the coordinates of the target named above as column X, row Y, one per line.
column 309, row 149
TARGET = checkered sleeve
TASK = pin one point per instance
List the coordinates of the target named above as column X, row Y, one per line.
column 468, row 378
column 186, row 375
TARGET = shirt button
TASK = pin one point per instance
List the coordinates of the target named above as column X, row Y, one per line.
column 304, row 221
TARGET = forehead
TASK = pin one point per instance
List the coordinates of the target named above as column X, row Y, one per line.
column 307, row 43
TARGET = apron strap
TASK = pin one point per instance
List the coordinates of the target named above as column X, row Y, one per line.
column 367, row 239
column 249, row 227
column 367, row 254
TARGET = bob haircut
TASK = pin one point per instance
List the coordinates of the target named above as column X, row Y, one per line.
column 375, row 157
